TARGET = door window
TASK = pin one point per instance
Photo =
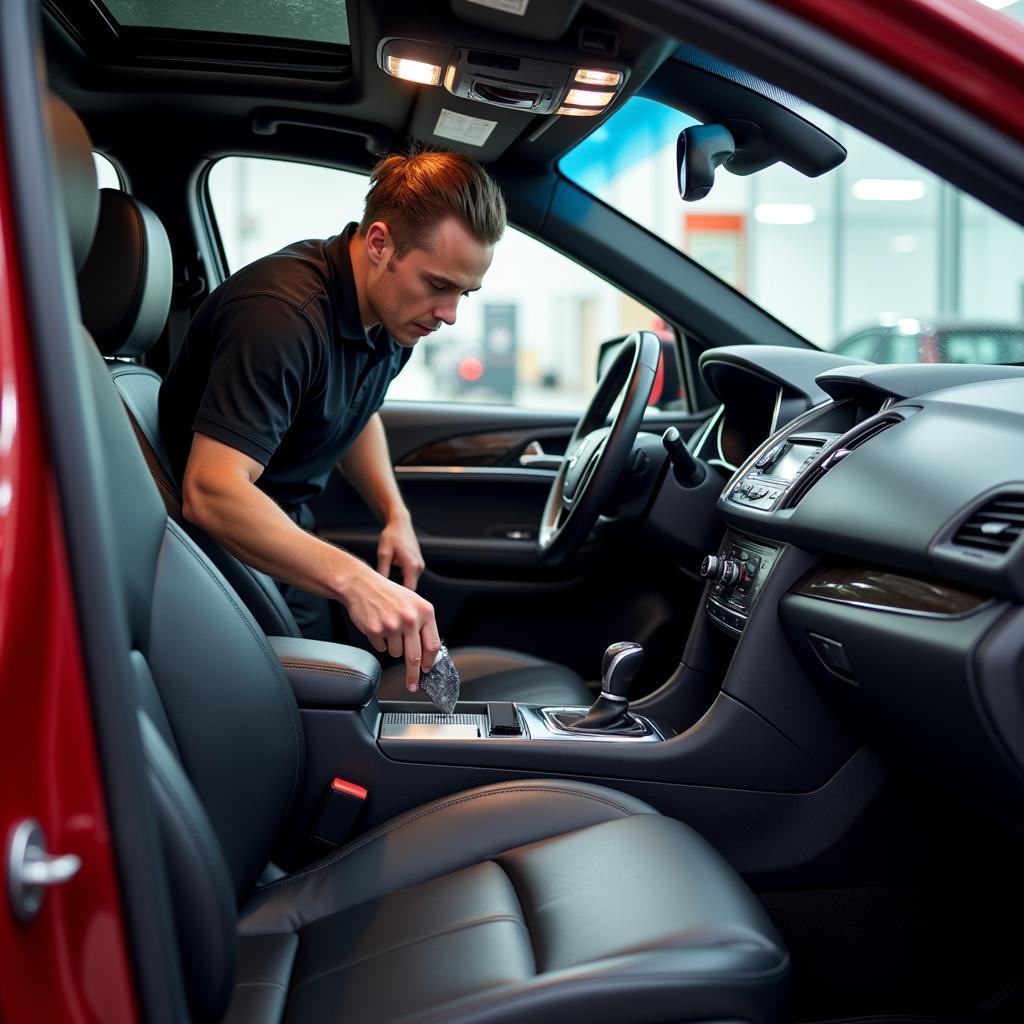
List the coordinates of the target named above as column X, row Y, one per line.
column 530, row 337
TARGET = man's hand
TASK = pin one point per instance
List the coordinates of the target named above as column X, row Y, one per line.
column 398, row 546
column 394, row 619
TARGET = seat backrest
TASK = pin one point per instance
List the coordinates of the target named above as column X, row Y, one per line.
column 125, row 294
column 219, row 724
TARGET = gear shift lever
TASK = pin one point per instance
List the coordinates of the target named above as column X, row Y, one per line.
column 610, row 712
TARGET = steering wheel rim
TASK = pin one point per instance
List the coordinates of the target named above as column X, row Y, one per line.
column 596, row 454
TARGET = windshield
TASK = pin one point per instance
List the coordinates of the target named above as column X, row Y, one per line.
column 878, row 259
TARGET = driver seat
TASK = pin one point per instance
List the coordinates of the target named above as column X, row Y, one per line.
column 125, row 295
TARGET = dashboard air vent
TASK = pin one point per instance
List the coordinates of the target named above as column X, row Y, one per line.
column 994, row 527
column 836, row 452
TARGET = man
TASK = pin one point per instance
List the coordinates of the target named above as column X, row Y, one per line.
column 282, row 372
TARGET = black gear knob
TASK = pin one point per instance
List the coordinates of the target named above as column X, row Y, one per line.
column 619, row 667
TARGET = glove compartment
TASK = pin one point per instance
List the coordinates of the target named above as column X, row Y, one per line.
column 925, row 672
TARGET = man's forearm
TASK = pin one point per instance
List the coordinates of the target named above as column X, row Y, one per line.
column 241, row 518
column 367, row 466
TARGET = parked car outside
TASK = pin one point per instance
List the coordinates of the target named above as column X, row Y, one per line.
column 910, row 340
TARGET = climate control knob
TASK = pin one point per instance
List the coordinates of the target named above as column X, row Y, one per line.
column 710, row 566
column 726, row 571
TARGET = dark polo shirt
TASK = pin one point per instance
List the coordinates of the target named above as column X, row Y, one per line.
column 277, row 365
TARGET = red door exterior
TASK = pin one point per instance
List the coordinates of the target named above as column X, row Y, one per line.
column 70, row 963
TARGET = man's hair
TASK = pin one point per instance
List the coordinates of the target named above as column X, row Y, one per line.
column 413, row 192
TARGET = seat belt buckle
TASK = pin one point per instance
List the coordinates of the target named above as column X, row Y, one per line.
column 338, row 812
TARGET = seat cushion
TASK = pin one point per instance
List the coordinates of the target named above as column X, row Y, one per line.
column 492, row 673
column 529, row 900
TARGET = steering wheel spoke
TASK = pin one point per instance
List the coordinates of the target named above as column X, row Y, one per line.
column 597, row 452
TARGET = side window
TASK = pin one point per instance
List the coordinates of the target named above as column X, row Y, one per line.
column 530, row 337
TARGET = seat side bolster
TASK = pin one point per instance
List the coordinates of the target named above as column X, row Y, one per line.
column 204, row 907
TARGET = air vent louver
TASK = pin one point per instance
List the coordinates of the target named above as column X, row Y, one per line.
column 838, row 451
column 994, row 527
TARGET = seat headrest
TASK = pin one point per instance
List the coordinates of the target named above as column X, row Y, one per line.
column 124, row 288
column 76, row 172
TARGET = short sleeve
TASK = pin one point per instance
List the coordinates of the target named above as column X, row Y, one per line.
column 264, row 360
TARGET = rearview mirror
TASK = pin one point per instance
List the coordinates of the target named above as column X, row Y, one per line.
column 699, row 150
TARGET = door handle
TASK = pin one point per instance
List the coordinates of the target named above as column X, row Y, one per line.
column 31, row 870
column 534, row 457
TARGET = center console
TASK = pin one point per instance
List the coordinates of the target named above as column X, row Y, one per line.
column 521, row 722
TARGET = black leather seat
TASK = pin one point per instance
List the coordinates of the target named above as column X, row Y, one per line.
column 125, row 288
column 493, row 904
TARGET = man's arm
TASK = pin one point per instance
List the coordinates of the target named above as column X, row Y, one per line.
column 219, row 495
column 367, row 466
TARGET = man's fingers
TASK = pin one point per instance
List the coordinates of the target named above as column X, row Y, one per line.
column 413, row 660
column 430, row 642
column 395, row 647
column 384, row 559
column 410, row 577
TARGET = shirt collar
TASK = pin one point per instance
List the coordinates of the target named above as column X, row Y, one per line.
column 344, row 299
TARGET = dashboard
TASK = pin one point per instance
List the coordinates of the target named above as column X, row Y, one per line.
column 874, row 517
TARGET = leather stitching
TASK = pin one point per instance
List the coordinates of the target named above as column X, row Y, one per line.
column 172, row 500
column 490, row 919
column 336, row 669
column 402, row 822
column 135, row 299
column 275, row 665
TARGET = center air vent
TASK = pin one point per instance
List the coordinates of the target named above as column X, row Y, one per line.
column 994, row 527
column 836, row 452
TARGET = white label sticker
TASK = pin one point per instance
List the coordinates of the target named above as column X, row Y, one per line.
column 506, row 6
column 473, row 131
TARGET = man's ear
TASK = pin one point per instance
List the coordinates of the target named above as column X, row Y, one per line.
column 380, row 246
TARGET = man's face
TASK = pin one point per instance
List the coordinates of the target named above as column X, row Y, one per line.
column 412, row 296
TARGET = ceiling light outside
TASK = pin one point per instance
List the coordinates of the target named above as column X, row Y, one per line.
column 591, row 76
column 903, row 243
column 893, row 190
column 413, row 70
column 589, row 98
column 578, row 111
column 784, row 213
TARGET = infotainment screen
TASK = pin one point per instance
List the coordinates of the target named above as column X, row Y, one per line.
column 788, row 464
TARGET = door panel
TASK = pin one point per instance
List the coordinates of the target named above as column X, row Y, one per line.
column 476, row 517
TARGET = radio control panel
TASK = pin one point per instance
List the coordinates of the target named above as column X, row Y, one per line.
column 737, row 572
column 775, row 469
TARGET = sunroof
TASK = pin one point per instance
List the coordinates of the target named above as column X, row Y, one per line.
column 319, row 21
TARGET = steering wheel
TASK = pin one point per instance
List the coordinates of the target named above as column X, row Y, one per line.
column 597, row 454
